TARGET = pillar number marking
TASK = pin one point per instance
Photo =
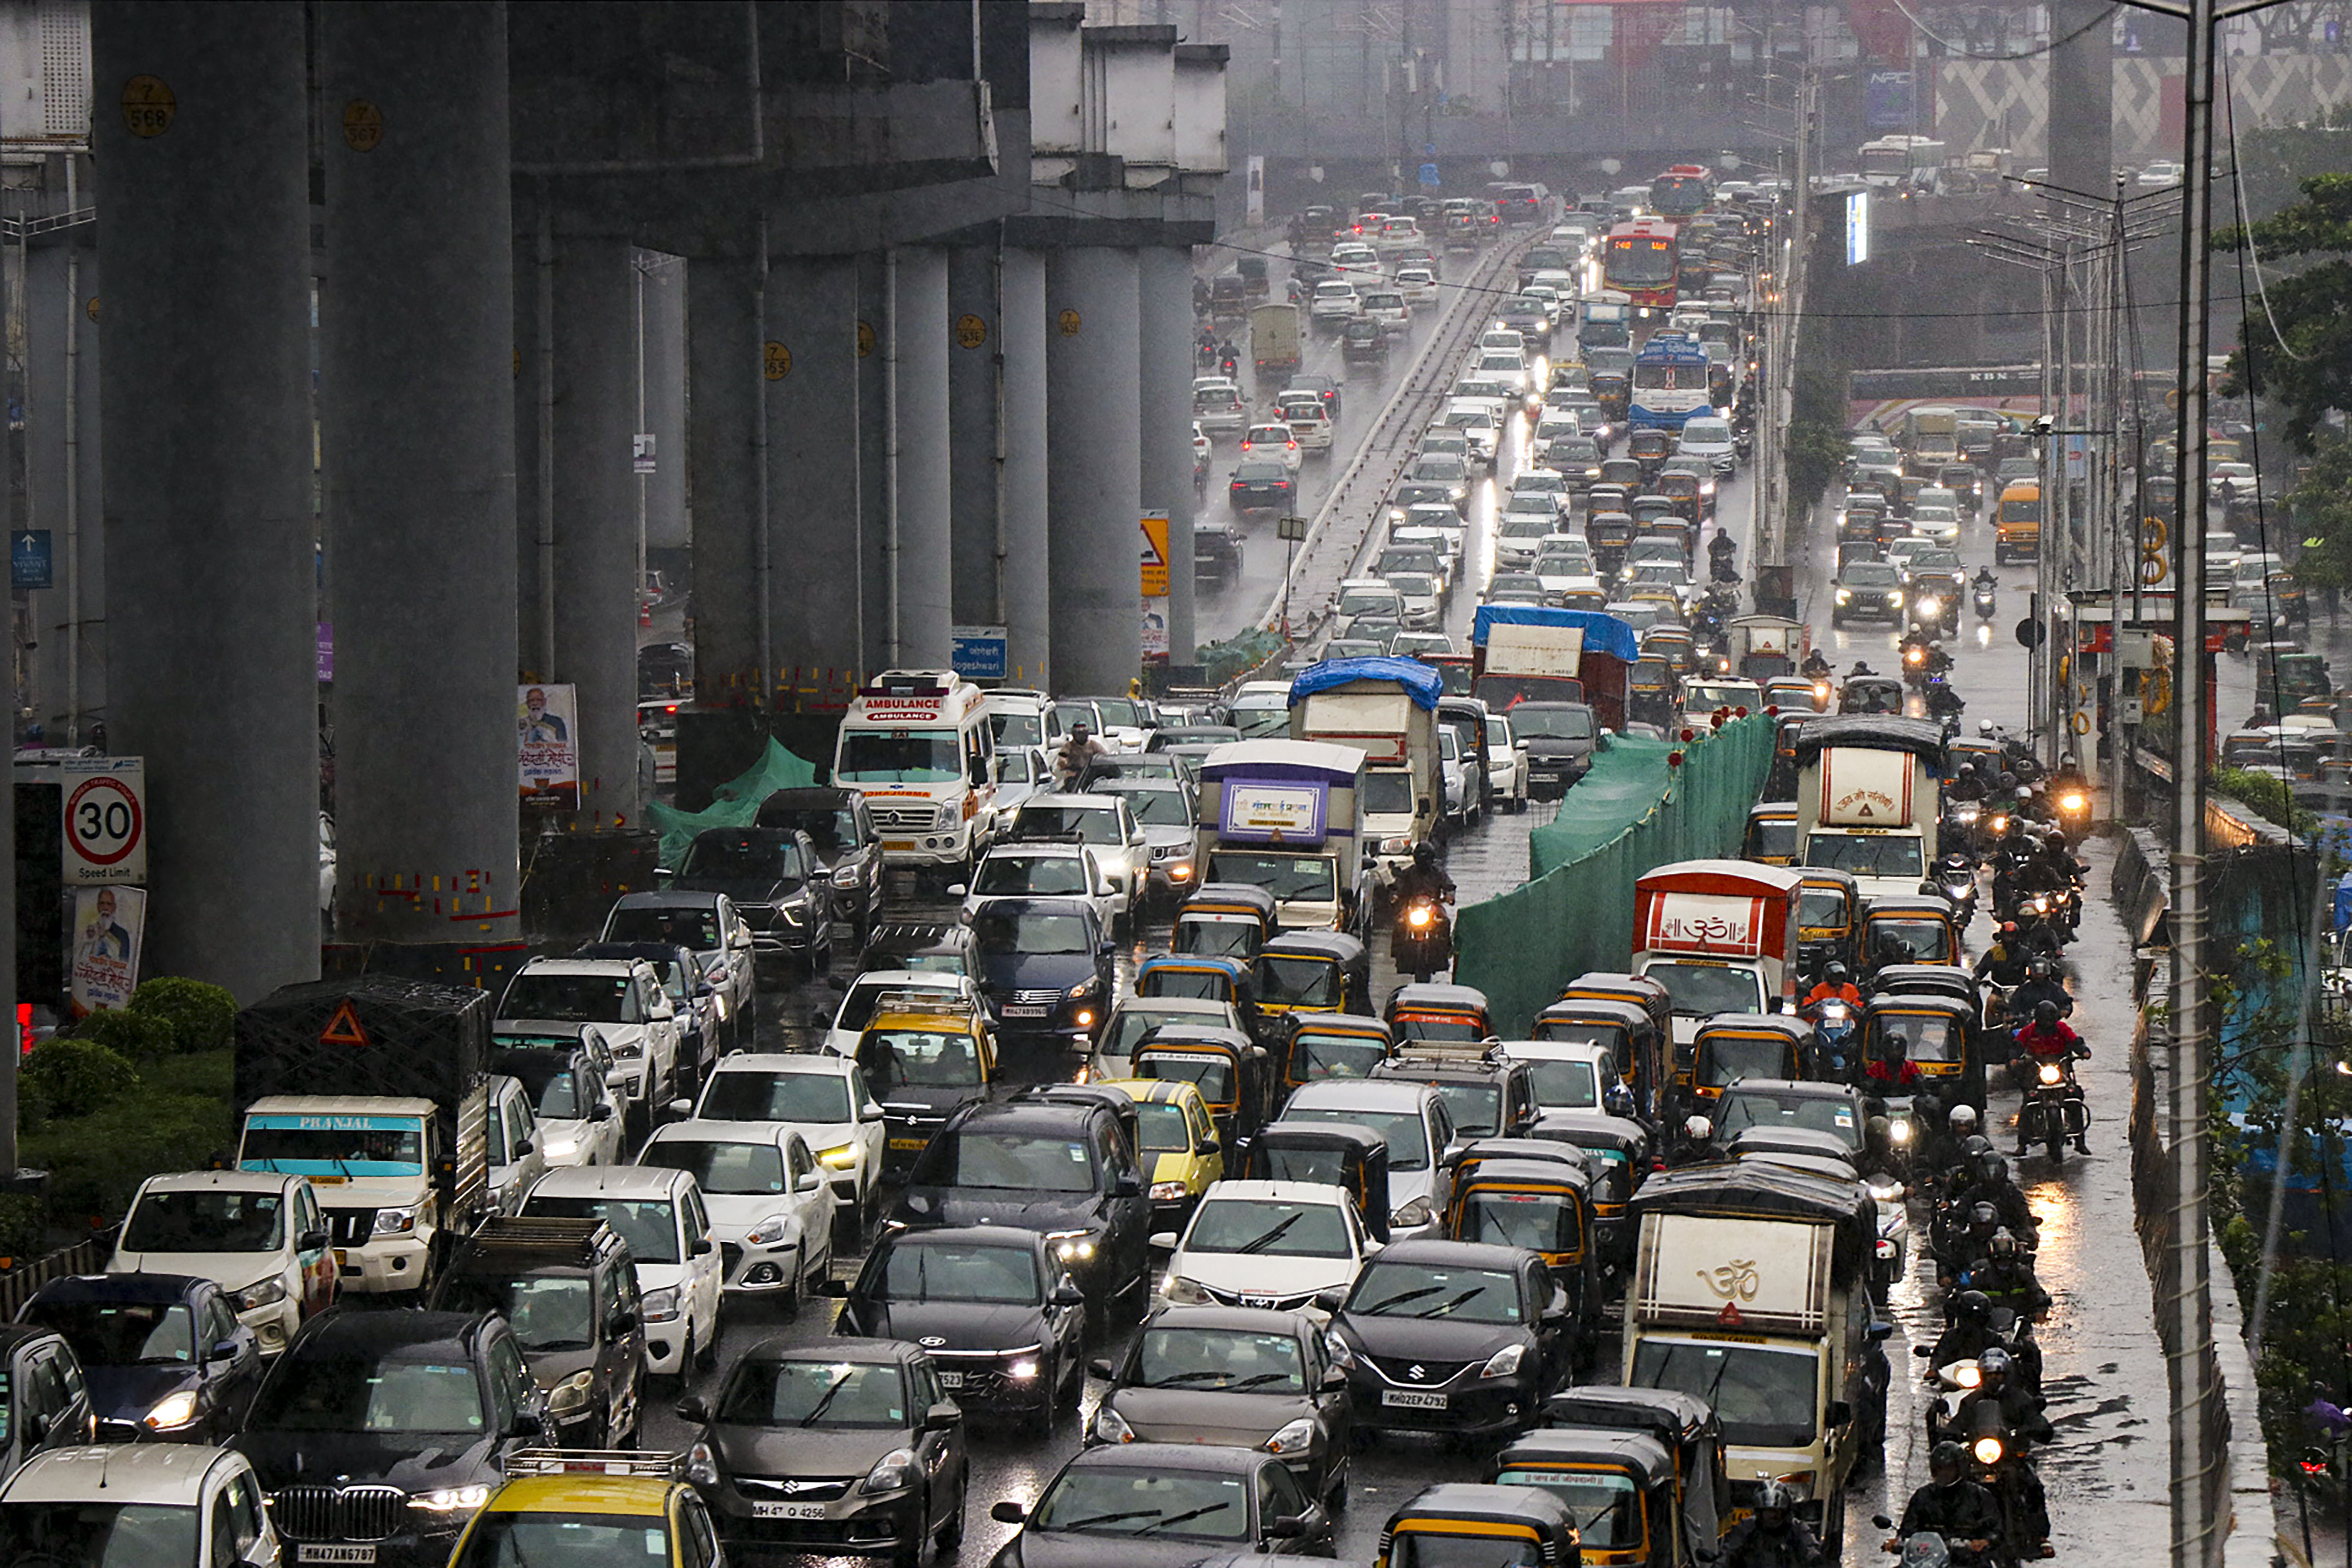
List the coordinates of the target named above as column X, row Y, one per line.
column 864, row 339
column 89, row 308
column 1070, row 321
column 148, row 106
column 970, row 331
column 775, row 359
column 362, row 125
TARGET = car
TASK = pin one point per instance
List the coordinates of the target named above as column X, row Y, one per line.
column 1218, row 409
column 1774, row 1104
column 1507, row 763
column 1191, row 742
column 1250, row 1378
column 1328, row 387
column 1487, row 1094
column 258, row 1235
column 1310, row 423
column 1941, row 524
column 1461, row 1337
column 1165, row 810
column 1418, row 284
column 1421, row 596
column 707, row 924
column 819, row 1095
column 623, row 997
column 1040, row 868
column 706, row 1032
column 844, row 1446
column 1413, row 1120
column 1159, row 1505
column 1261, row 484
column 163, row 1354
column 1365, row 341
column 1101, row 820
column 1284, row 1244
column 849, row 1016
column 1176, row 1144
column 1064, row 1167
column 385, row 1431
column 846, row 846
column 660, row 1213
column 1387, row 308
column 153, row 1504
column 1456, row 786
column 1132, row 1018
column 568, row 1287
column 1364, row 597
column 1333, row 304
column 770, row 1204
column 998, row 1315
column 1273, row 440
column 1217, row 553
column 1867, row 590
column 775, row 879
column 556, row 1507
column 1478, row 420
column 1560, row 739
column 1708, row 436
column 577, row 1115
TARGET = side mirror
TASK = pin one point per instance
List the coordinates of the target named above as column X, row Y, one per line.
column 838, row 1289
column 958, row 888
column 1008, row 1512
column 1879, row 1332
column 310, row 1240
column 1164, row 1241
column 1839, row 1414
column 227, row 1350
column 1210, row 1147
column 1880, row 1520
column 702, row 1247
column 523, row 1146
column 942, row 1417
column 1100, row 1367
column 1067, row 1294
column 1331, row 1298
column 810, row 1181
column 623, row 1321
column 1127, row 1183
column 1107, row 948
column 1334, row 1380
column 694, row 1410
column 869, row 1111
column 1286, row 1527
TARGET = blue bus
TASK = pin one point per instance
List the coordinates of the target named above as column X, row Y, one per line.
column 1670, row 382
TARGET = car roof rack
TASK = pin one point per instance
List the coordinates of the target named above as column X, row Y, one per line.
column 594, row 1461
column 941, row 1002
column 575, row 1240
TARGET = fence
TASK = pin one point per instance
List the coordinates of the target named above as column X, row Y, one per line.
column 87, row 1255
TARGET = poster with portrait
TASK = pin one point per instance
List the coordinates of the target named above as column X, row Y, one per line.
column 108, row 930
column 547, row 729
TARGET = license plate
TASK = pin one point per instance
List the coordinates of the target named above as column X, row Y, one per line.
column 908, row 1144
column 1413, row 1398
column 1026, row 1010
column 951, row 1379
column 1258, row 1301
column 899, row 846
column 342, row 1258
column 334, row 1554
column 788, row 1510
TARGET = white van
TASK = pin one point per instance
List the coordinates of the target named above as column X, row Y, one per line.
column 917, row 744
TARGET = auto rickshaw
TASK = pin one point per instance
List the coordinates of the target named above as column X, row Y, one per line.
column 1622, row 472
column 1335, row 1154
column 1681, row 1424
column 1916, row 930
column 1872, row 693
column 1940, row 1037
column 1682, row 488
column 1232, row 1074
column 1483, row 1524
column 1795, row 694
column 1829, row 913
column 1620, row 1485
column 1544, row 1205
column 1675, row 645
column 1607, row 497
column 1608, row 534
column 1780, row 780
column 1203, row 976
column 1771, row 838
column 1649, row 691
column 1951, row 981
column 1649, row 446
column 1231, row 919
column 1986, row 754
column 1313, row 972
column 1649, row 994
column 1435, row 1010
column 1622, row 1148
column 1621, row 1029
column 1745, row 1045
column 1334, row 1045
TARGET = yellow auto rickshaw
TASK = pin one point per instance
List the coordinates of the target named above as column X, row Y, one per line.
column 1544, row 1205
column 1829, row 912
column 1229, row 919
column 1918, row 930
column 1771, row 837
column 1314, row 971
column 1334, row 1045
column 1428, row 1010
column 1745, row 1045
column 1231, row 1072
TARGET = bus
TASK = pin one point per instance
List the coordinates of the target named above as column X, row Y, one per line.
column 1684, row 190
column 1670, row 382
column 1640, row 260
column 1916, row 162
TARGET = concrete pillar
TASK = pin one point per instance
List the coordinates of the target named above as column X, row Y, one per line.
column 725, row 373
column 813, row 477
column 1164, row 345
column 2081, row 101
column 921, row 549
column 415, row 323
column 1093, row 460
column 872, row 459
column 209, row 537
column 975, row 364
column 62, row 689
column 661, row 339
column 1026, row 579
column 533, row 383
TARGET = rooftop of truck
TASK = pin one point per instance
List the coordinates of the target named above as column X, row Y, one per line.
column 345, row 1104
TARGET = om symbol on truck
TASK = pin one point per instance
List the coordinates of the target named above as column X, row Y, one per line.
column 1738, row 1278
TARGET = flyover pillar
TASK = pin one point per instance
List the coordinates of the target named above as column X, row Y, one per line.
column 661, row 357
column 922, row 553
column 1093, row 468
column 813, row 562
column 1027, row 580
column 68, row 674
column 1164, row 297
column 976, row 452
column 416, row 319
column 203, row 130
column 726, row 371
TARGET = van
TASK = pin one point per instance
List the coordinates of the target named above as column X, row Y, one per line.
column 2017, row 524
column 918, row 743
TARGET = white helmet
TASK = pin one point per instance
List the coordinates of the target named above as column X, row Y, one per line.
column 1984, row 728
column 1962, row 1116
column 1698, row 1129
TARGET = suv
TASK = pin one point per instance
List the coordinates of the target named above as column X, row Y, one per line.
column 775, row 879
column 1043, row 868
column 703, row 1030
column 771, row 1208
column 817, row 1094
column 259, row 1234
column 568, row 1287
column 1413, row 1121
column 660, row 1213
column 1063, row 1167
column 840, row 830
column 623, row 997
column 709, row 926
column 1488, row 1093
column 1101, row 820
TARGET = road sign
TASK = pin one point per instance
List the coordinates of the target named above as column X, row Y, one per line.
column 1290, row 530
column 344, row 1028
column 971, row 331
column 776, row 360
column 1428, row 176
column 1154, row 559
column 105, row 821
column 30, row 563
column 978, row 653
column 2029, row 632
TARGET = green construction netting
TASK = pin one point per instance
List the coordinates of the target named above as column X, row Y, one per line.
column 734, row 803
column 1236, row 656
column 1522, row 947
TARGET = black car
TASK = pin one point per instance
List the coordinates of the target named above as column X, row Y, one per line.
column 1866, row 590
column 1364, row 340
column 568, row 1287
column 1560, row 738
column 1061, row 1166
column 386, row 1430
column 44, row 1400
column 1259, row 484
column 848, row 849
column 1159, row 1505
column 1217, row 552
column 163, row 1354
column 849, row 1446
column 776, row 882
column 1324, row 387
column 1001, row 1318
column 1044, row 965
column 1453, row 1337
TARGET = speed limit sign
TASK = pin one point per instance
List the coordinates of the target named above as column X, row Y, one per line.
column 105, row 821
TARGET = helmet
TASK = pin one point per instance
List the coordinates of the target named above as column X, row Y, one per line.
column 2009, row 927
column 1424, row 854
column 1698, row 1129
column 1772, row 1497
column 1834, row 974
column 1963, row 1117
column 2004, row 1245
column 2056, row 840
column 2045, row 1013
column 1994, row 1362
column 1945, row 1462
column 1982, row 1213
column 1888, row 1047
column 1879, row 1129
column 1984, row 728
column 2008, row 780
column 1976, row 1143
column 2039, row 969
column 1080, row 730
column 1972, row 1304
column 1968, row 770
column 1618, row 1099
column 1995, row 1170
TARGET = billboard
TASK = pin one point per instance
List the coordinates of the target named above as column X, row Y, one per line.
column 109, row 926
column 547, row 735
column 1857, row 228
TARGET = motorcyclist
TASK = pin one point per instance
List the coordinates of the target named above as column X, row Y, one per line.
column 1939, row 1152
column 1992, row 1185
column 2048, row 1038
column 2069, row 776
column 2007, row 1279
column 1970, row 1333
column 1771, row 1537
column 1076, row 753
column 1965, row 785
column 1985, row 581
column 1695, row 1147
column 1720, row 553
column 2021, row 1412
column 1861, row 667
column 1834, row 986
column 1815, row 666
column 2006, row 962
column 2041, row 985
column 1952, row 1506
column 1422, row 877
column 1888, row 1070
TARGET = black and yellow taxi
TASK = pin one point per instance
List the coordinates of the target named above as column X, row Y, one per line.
column 1620, row 1485
column 923, row 1056
column 1176, row 1141
column 1493, row 1526
column 576, row 1505
column 1334, row 1045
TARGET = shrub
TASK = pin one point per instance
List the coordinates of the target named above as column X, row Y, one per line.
column 24, row 1226
column 178, row 1121
column 67, row 1077
column 203, row 1017
column 137, row 1036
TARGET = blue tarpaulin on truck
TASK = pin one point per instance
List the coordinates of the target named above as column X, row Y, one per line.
column 1421, row 682
column 1602, row 633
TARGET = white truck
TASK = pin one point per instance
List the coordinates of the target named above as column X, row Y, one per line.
column 1386, row 708
column 1751, row 1292
column 1868, row 798
column 1721, row 936
column 1283, row 815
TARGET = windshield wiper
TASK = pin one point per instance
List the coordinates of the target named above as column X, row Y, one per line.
column 1273, row 1234
column 824, row 1401
column 1095, row 1518
column 1179, row 1379
column 1445, row 1307
column 1166, row 1520
column 1402, row 1297
column 1263, row 1378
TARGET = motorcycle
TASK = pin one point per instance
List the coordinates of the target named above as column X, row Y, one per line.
column 1984, row 599
column 1914, row 666
column 1997, row 1456
column 1834, row 1032
column 1423, row 941
column 1956, row 879
column 2073, row 806
column 2054, row 1109
column 1943, row 702
column 1891, row 1256
column 1962, row 818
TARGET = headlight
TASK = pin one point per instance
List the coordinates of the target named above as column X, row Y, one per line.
column 1968, row 1376
column 1504, row 1361
column 172, row 1413
column 846, row 876
column 267, row 1293
column 1184, row 1293
column 1884, row 1191
column 561, row 1148
column 1845, row 596
column 1418, row 917
column 892, row 1471
column 1167, row 1192
column 661, row 1306
column 702, row 1466
column 1084, row 987
column 768, row 1232
column 1900, row 1132
column 1181, row 872
column 1022, row 1368
column 949, row 814
column 394, row 1221
column 1987, row 1450
column 2050, row 1073
column 1110, row 1427
column 628, row 1049
column 451, row 1499
column 2072, row 801
column 1894, row 597
column 1071, row 1246
column 571, row 1394
column 1930, row 605
column 789, row 914
column 843, row 1158
column 1296, row 1438
column 1413, row 1213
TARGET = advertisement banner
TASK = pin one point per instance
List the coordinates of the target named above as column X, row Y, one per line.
column 547, row 729
column 109, row 926
column 1886, row 101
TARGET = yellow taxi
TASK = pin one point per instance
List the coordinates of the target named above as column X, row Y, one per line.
column 924, row 1054
column 1177, row 1136
column 590, row 1506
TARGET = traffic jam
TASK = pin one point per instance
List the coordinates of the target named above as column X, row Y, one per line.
column 1060, row 1136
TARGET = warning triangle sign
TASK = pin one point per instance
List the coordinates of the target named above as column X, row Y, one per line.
column 1731, row 1317
column 343, row 1028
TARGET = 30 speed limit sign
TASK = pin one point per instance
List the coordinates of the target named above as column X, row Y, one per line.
column 105, row 822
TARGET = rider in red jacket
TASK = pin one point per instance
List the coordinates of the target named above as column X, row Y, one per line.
column 2048, row 1038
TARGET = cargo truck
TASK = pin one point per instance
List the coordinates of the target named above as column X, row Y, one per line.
column 1527, row 653
column 1274, row 341
column 1868, row 798
column 1751, row 1292
column 1284, row 815
column 1721, row 936
column 1931, row 438
column 378, row 1091
column 1387, row 709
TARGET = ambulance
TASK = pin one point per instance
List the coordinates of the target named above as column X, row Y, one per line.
column 917, row 744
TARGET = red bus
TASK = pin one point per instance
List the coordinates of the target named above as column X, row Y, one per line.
column 1641, row 259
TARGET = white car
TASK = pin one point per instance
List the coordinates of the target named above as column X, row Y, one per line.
column 1413, row 1120
column 1281, row 1245
column 1941, row 524
column 1273, row 439
column 1310, row 419
column 1334, row 302
column 1500, row 338
column 850, row 1019
column 1035, row 869
column 1480, row 422
column 1564, row 573
column 622, row 996
column 579, row 1114
column 1218, row 409
column 660, row 1213
column 1568, row 1074
column 1520, row 531
column 820, row 1095
column 1364, row 596
column 771, row 1204
column 1460, row 789
column 1709, row 437
column 1417, row 284
column 1506, row 764
column 1422, row 596
column 1507, row 366
column 1388, row 306
column 153, row 1503
column 1102, row 821
column 1019, row 771
column 258, row 1235
column 1548, row 482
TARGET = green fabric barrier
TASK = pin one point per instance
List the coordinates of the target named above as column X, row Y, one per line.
column 1621, row 786
column 735, row 803
column 1522, row 947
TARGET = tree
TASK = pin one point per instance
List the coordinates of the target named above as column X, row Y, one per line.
column 2321, row 507
column 2311, row 376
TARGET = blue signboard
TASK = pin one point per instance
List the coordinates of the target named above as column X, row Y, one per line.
column 1429, row 175
column 30, row 564
column 1887, row 102
column 978, row 652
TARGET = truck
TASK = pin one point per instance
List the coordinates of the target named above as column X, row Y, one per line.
column 1386, row 708
column 1930, row 438
column 1529, row 652
column 378, row 1090
column 1750, row 1291
column 1274, row 340
column 1284, row 815
column 1720, row 936
column 1604, row 319
column 1868, row 798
